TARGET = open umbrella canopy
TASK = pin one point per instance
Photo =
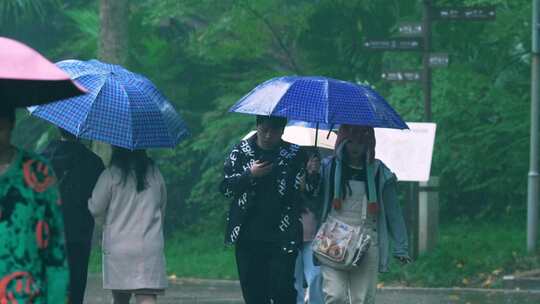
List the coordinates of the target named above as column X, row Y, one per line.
column 322, row 100
column 313, row 125
column 306, row 134
column 122, row 108
column 310, row 134
column 27, row 78
column 408, row 152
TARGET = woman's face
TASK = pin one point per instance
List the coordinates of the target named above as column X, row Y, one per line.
column 6, row 126
column 358, row 137
column 355, row 150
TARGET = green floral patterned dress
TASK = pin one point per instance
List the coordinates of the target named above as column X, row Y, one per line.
column 33, row 265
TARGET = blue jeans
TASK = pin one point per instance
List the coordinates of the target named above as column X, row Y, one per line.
column 311, row 274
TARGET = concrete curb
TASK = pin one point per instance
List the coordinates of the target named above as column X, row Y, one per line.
column 235, row 283
column 436, row 290
column 460, row 290
column 198, row 281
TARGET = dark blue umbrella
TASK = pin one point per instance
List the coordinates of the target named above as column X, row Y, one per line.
column 320, row 100
column 122, row 108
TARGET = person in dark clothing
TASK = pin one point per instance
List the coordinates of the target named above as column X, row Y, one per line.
column 77, row 169
column 264, row 177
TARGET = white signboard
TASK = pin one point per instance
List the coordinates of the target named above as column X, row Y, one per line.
column 408, row 153
column 303, row 136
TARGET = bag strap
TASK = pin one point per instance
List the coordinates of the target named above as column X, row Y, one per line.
column 337, row 178
column 372, row 191
column 364, row 213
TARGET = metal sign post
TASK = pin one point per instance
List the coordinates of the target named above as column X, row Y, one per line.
column 395, row 44
column 416, row 36
column 410, row 29
column 426, row 75
column 402, row 76
column 476, row 13
column 438, row 60
column 532, row 185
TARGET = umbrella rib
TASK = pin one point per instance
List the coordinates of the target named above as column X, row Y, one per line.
column 130, row 117
column 83, row 125
column 169, row 132
column 369, row 103
column 326, row 98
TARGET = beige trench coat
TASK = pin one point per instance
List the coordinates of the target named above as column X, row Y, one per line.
column 132, row 245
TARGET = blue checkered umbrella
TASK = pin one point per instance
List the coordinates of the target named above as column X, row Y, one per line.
column 121, row 108
column 320, row 100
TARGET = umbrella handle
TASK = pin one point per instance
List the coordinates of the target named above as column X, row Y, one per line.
column 330, row 131
column 316, row 134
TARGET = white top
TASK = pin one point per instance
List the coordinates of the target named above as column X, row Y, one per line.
column 133, row 244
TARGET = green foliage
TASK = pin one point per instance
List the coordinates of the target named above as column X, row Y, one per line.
column 84, row 22
column 203, row 256
column 18, row 11
column 205, row 54
column 468, row 255
column 244, row 43
column 479, row 102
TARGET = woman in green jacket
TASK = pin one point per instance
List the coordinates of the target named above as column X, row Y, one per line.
column 33, row 265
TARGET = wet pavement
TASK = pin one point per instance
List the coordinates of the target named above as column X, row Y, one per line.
column 186, row 291
column 183, row 291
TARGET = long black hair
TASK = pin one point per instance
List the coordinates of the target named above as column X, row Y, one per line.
column 132, row 162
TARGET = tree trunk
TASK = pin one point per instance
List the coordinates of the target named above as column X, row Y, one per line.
column 113, row 47
column 113, row 36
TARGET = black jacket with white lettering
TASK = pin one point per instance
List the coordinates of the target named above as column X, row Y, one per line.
column 240, row 187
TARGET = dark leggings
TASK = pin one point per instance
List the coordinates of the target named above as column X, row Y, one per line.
column 78, row 256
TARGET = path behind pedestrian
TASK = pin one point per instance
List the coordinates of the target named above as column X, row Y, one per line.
column 194, row 291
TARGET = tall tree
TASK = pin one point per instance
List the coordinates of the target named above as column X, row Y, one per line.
column 113, row 46
column 113, row 41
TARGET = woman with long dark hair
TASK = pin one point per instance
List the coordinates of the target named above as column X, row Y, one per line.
column 360, row 191
column 129, row 200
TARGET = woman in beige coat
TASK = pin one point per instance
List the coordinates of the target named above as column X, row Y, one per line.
column 129, row 200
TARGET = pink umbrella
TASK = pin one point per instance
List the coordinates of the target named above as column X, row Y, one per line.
column 27, row 78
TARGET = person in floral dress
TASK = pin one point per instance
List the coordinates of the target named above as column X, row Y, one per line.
column 33, row 264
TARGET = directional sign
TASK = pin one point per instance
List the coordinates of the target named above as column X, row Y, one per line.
column 438, row 60
column 395, row 44
column 402, row 76
column 410, row 29
column 477, row 13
